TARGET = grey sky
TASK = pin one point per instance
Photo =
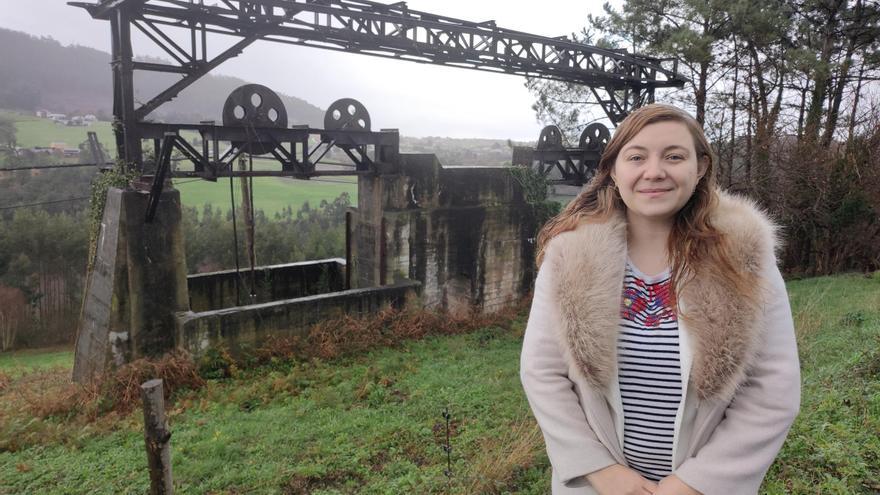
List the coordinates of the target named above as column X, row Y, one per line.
column 418, row 99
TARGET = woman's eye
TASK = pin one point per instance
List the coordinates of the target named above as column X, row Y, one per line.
column 675, row 157
column 634, row 158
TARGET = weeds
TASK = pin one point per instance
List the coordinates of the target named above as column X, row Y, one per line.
column 868, row 365
column 500, row 459
column 809, row 317
column 346, row 336
column 122, row 388
column 854, row 319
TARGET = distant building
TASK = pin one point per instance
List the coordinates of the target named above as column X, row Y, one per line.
column 58, row 146
column 43, row 113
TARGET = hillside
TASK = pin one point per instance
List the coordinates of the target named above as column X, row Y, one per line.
column 42, row 73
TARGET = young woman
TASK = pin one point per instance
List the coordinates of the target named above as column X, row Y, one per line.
column 659, row 355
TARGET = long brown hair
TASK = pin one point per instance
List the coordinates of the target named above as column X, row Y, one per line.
column 694, row 243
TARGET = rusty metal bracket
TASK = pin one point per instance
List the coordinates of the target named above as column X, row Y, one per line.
column 163, row 166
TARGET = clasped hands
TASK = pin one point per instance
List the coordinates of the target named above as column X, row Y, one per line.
column 670, row 485
column 621, row 480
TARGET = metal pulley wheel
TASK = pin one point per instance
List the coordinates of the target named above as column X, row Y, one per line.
column 253, row 106
column 594, row 137
column 347, row 114
column 550, row 138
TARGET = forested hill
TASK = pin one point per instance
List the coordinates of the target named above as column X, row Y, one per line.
column 40, row 73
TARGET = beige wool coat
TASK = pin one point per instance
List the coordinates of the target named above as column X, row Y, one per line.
column 739, row 362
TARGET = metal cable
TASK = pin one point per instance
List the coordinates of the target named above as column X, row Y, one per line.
column 234, row 237
column 13, row 207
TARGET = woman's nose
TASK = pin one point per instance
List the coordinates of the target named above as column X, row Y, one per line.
column 654, row 168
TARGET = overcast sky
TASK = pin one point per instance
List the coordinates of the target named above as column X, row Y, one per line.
column 418, row 99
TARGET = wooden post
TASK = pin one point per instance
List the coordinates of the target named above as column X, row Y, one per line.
column 158, row 438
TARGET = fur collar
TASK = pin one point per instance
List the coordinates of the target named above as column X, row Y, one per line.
column 724, row 328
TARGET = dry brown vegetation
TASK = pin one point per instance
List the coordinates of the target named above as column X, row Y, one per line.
column 47, row 406
column 350, row 335
column 501, row 458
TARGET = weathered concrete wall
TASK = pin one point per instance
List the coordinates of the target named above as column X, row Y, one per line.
column 466, row 233
column 248, row 326
column 136, row 286
column 217, row 290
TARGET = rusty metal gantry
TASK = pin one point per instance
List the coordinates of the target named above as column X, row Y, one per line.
column 619, row 81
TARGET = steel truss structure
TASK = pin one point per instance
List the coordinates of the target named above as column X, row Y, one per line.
column 568, row 166
column 290, row 147
column 620, row 81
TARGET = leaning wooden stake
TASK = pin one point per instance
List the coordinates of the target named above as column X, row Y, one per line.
column 158, row 438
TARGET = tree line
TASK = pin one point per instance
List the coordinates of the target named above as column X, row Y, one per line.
column 787, row 92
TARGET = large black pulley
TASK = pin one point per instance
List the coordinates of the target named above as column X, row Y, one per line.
column 594, row 137
column 550, row 139
column 347, row 114
column 254, row 106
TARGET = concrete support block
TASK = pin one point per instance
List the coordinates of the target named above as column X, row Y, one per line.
column 466, row 233
column 137, row 284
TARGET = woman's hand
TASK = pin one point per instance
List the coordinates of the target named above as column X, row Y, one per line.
column 618, row 479
column 672, row 485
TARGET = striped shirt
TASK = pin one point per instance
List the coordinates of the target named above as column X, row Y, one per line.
column 649, row 371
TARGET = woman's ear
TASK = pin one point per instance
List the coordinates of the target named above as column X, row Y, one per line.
column 702, row 166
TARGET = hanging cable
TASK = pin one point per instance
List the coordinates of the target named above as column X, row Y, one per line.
column 252, row 257
column 13, row 207
column 234, row 236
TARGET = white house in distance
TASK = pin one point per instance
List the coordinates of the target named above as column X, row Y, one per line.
column 63, row 119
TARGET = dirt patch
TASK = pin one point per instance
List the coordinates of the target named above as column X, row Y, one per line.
column 338, row 479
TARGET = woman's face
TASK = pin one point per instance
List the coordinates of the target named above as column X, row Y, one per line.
column 657, row 171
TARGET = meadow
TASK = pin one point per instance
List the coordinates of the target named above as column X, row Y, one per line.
column 373, row 422
column 271, row 194
column 34, row 131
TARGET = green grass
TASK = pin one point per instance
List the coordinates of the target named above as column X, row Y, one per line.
column 33, row 131
column 834, row 445
column 21, row 362
column 373, row 423
column 271, row 194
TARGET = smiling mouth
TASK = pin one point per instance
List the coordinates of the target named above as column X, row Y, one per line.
column 654, row 191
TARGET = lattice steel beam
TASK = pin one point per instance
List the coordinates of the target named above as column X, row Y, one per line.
column 620, row 81
column 395, row 31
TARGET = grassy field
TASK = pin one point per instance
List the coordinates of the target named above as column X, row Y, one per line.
column 373, row 423
column 271, row 194
column 35, row 360
column 33, row 131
